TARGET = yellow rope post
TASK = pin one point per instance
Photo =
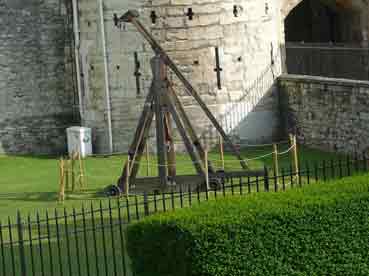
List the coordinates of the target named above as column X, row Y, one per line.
column 295, row 158
column 221, row 149
column 206, row 167
column 275, row 161
column 81, row 177
column 61, row 196
column 66, row 173
column 128, row 172
column 73, row 158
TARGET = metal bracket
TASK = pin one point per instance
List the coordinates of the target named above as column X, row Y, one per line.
column 137, row 74
column 272, row 53
column 190, row 13
column 218, row 69
column 235, row 11
column 153, row 17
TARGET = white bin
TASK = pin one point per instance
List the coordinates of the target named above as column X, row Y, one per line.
column 79, row 140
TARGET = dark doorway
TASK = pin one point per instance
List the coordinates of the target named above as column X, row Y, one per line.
column 314, row 21
column 324, row 39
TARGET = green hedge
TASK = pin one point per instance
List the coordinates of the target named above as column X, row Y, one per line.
column 318, row 230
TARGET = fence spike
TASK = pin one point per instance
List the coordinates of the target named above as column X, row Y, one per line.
column 93, row 222
column 103, row 239
column 22, row 254
column 121, row 233
column 40, row 244
column 68, row 241
column 112, row 239
column 49, row 243
column 31, row 245
column 2, row 250
column 85, row 240
column 61, row 272
column 76, row 241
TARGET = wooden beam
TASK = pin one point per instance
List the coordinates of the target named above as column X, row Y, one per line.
column 189, row 147
column 159, row 72
column 172, row 171
column 190, row 130
column 142, row 129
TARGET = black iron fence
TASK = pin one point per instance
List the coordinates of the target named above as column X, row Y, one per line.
column 92, row 241
column 328, row 60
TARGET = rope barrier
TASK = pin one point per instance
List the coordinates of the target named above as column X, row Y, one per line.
column 287, row 151
column 218, row 160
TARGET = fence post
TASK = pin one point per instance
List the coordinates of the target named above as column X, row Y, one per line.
column 81, row 179
column 221, row 148
column 276, row 165
column 357, row 168
column 307, row 172
column 62, row 180
column 146, row 205
column 348, row 164
column 22, row 254
column 72, row 171
column 66, row 171
column 295, row 158
column 147, row 159
column 128, row 171
column 207, row 168
column 266, row 179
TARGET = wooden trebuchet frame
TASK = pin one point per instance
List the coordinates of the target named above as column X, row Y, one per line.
column 163, row 103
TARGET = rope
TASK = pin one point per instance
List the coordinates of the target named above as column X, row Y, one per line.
column 287, row 151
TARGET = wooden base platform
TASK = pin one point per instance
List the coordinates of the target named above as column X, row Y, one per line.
column 151, row 185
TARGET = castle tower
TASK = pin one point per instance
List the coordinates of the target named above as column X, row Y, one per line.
column 244, row 33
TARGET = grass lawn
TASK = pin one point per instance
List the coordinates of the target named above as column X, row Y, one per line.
column 30, row 183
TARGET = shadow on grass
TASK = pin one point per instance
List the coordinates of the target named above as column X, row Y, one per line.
column 52, row 196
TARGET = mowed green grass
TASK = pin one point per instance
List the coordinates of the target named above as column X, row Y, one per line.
column 29, row 184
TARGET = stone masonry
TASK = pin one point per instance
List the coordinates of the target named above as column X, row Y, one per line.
column 326, row 113
column 36, row 95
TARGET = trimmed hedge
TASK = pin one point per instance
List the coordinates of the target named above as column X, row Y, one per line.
column 318, row 230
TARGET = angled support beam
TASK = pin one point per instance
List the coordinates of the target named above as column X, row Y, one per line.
column 172, row 171
column 187, row 124
column 182, row 131
column 135, row 150
column 141, row 147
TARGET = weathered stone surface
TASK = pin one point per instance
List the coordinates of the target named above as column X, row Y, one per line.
column 329, row 114
column 36, row 88
column 36, row 65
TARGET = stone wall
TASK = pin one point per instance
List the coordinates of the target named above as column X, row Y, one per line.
column 329, row 114
column 248, row 43
column 36, row 94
